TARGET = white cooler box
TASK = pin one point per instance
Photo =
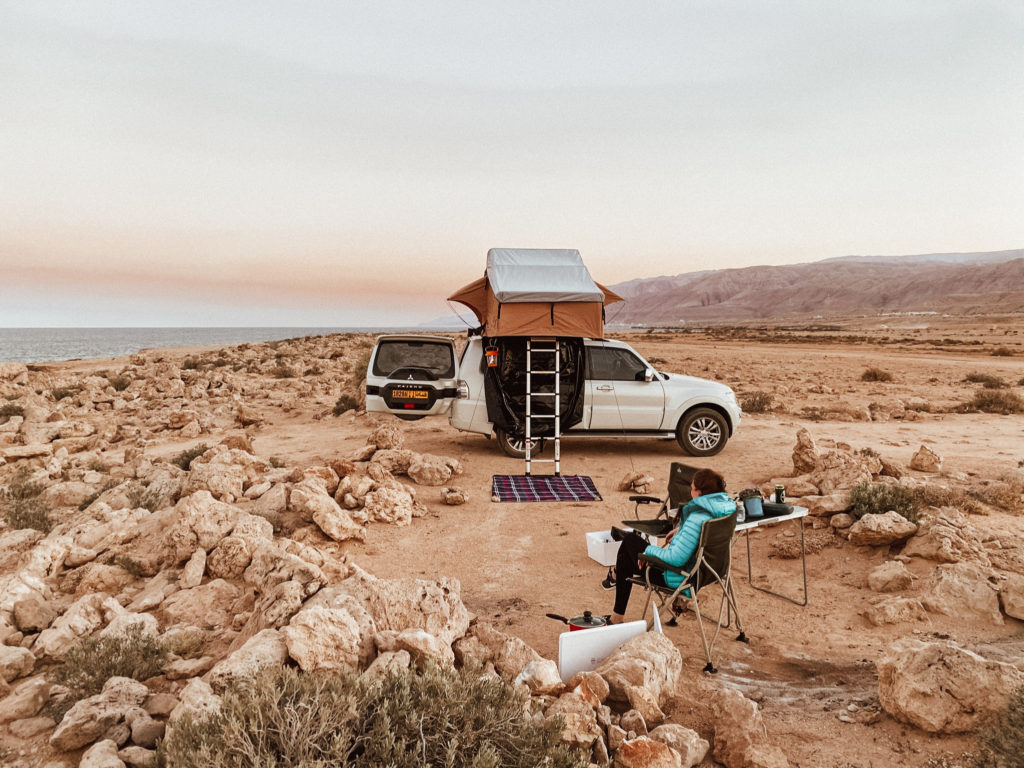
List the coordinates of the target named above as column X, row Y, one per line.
column 601, row 548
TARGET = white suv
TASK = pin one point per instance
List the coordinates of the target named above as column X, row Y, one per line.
column 413, row 376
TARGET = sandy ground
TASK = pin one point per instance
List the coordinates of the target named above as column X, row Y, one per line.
column 806, row 666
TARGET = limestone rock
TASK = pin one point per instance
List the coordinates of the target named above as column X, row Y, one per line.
column 207, row 606
column 229, row 558
column 962, row 589
column 334, row 635
column 840, row 470
column 145, row 730
column 841, row 522
column 266, row 649
column 394, row 460
column 579, row 723
column 593, row 683
column 192, row 573
column 25, row 700
column 941, row 687
column 805, row 454
column 740, row 740
column 122, row 623
column 90, row 718
column 427, row 469
column 895, row 610
column 137, row 757
column 691, row 747
column 387, row 435
column 649, row 660
column 827, row 505
column 946, row 537
column 637, row 482
column 81, row 619
column 507, row 653
column 1011, row 596
column 890, row 576
column 453, row 496
column 387, row 663
column 398, row 604
column 644, row 752
column 422, row 645
column 926, row 460
column 199, row 522
column 15, row 662
column 540, row 677
column 102, row 754
column 197, row 699
column 643, row 701
column 874, row 530
column 30, row 727
column 633, row 721
column 389, row 505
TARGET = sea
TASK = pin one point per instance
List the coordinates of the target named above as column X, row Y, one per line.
column 39, row 345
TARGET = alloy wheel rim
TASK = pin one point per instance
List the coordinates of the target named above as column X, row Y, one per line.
column 704, row 433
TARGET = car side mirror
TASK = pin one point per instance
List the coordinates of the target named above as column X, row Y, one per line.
column 649, row 374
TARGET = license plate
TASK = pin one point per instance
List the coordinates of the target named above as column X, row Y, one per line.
column 410, row 394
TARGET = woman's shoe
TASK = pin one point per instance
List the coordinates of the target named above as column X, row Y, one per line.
column 609, row 581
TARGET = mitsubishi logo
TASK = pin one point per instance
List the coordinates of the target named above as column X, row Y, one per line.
column 410, row 377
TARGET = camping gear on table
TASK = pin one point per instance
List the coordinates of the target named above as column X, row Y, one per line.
column 771, row 509
column 780, row 494
column 753, row 504
column 587, row 621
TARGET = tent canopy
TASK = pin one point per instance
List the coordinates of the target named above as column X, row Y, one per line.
column 533, row 292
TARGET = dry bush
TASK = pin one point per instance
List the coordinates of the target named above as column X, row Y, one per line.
column 130, row 564
column 757, row 402
column 141, row 497
column 1004, row 493
column 997, row 401
column 875, row 374
column 931, row 495
column 345, row 403
column 119, row 383
column 184, row 459
column 282, row 371
column 1002, row 352
column 7, row 410
column 59, row 393
column 97, row 464
column 877, row 499
column 22, row 506
column 188, row 644
column 438, row 717
column 987, row 380
column 94, row 660
column 1002, row 742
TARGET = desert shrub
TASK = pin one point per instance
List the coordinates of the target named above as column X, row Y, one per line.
column 184, row 459
column 119, row 383
column 877, row 499
column 276, row 462
column 997, row 401
column 1002, row 352
column 22, row 507
column 130, row 564
column 931, row 495
column 1004, row 493
column 188, row 643
column 757, row 402
column 141, row 497
column 7, row 410
column 439, row 717
column 345, row 403
column 987, row 380
column 59, row 393
column 190, row 363
column 875, row 374
column 869, row 453
column 1020, row 381
column 94, row 660
column 96, row 464
column 282, row 372
column 1002, row 742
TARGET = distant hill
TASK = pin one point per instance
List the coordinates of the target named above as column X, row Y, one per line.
column 961, row 283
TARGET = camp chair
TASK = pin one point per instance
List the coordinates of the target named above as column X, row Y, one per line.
column 711, row 564
column 679, row 478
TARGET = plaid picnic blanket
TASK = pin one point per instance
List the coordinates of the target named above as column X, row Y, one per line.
column 543, row 488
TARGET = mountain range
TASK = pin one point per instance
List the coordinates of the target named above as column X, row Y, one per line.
column 954, row 283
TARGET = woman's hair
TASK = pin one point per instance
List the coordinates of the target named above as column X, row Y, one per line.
column 708, row 481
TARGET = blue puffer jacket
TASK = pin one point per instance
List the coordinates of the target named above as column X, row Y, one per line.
column 684, row 543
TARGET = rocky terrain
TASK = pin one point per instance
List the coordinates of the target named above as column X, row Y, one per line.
column 237, row 508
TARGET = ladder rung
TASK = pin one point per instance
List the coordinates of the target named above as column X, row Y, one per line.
column 540, row 416
column 542, row 394
column 542, row 461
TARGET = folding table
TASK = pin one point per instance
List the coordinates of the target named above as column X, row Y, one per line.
column 798, row 514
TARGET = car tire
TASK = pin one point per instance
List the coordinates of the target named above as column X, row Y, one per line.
column 702, row 432
column 411, row 416
column 513, row 446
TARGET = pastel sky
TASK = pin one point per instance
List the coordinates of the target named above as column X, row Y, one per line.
column 338, row 163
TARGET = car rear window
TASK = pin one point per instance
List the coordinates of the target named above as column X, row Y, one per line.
column 435, row 357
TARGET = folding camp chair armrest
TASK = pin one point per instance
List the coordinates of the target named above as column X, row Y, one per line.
column 662, row 565
column 645, row 499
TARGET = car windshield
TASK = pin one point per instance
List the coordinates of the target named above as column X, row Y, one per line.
column 431, row 357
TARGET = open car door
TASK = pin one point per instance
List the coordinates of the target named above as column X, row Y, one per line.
column 411, row 376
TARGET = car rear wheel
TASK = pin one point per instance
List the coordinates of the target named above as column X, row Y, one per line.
column 702, row 432
column 515, row 446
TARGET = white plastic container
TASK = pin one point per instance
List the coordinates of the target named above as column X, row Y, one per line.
column 601, row 548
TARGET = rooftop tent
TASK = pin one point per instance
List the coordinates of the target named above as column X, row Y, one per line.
column 537, row 292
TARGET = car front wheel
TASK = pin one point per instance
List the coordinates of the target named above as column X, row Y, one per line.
column 515, row 446
column 702, row 432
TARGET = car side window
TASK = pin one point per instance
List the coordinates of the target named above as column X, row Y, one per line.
column 611, row 364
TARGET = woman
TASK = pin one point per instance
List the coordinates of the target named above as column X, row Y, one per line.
column 709, row 501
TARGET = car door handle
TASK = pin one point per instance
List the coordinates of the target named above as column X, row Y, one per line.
column 605, row 388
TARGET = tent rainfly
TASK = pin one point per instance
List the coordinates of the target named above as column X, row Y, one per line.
column 537, row 292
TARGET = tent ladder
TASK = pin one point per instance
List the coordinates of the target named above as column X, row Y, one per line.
column 549, row 366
